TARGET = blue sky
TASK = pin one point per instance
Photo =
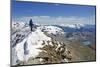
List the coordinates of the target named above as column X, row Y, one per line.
column 53, row 11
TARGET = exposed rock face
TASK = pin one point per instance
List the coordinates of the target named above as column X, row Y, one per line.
column 39, row 46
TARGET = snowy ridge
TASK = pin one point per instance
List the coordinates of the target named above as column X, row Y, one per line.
column 29, row 47
column 34, row 41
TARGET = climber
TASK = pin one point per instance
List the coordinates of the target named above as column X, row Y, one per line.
column 31, row 24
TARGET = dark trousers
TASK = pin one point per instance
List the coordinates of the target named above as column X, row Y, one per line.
column 31, row 28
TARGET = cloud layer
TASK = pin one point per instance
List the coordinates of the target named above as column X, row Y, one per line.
column 48, row 20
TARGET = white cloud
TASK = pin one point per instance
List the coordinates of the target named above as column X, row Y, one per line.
column 57, row 20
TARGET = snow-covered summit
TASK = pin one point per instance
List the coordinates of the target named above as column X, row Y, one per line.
column 30, row 46
column 52, row 30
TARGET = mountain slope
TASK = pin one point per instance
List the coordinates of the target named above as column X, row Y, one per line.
column 48, row 44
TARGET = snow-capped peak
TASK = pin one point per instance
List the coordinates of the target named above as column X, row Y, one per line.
column 73, row 25
column 52, row 30
column 79, row 25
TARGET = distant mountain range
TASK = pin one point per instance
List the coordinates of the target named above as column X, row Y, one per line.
column 78, row 28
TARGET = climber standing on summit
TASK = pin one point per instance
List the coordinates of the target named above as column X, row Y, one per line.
column 31, row 24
